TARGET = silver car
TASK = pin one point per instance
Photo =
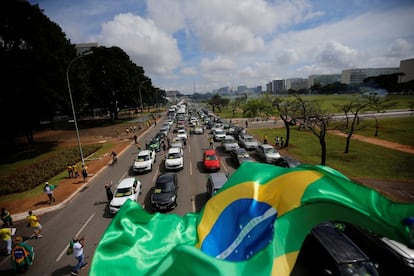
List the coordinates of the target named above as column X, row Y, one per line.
column 248, row 142
column 268, row 153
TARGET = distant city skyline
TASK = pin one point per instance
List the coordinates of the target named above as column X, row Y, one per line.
column 204, row 45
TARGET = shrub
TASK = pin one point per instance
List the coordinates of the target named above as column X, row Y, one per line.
column 29, row 177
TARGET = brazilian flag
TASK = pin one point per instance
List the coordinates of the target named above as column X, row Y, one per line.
column 255, row 225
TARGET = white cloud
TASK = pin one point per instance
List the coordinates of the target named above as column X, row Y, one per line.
column 144, row 42
column 334, row 54
column 401, row 48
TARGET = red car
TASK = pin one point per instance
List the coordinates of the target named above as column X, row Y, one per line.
column 211, row 161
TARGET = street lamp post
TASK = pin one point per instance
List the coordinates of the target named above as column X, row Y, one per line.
column 140, row 95
column 71, row 102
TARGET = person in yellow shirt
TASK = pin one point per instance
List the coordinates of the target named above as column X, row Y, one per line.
column 5, row 236
column 34, row 222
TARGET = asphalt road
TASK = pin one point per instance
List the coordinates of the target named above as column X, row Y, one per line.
column 88, row 215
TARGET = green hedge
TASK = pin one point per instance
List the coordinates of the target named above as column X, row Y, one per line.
column 29, row 177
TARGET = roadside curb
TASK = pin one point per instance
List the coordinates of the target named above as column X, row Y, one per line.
column 66, row 201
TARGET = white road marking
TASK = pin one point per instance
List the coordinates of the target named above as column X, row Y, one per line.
column 77, row 234
column 191, row 169
column 193, row 205
column 224, row 167
column 156, row 174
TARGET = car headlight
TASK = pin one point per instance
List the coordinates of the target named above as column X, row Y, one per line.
column 173, row 198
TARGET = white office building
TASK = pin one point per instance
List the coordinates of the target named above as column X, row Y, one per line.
column 356, row 76
column 323, row 79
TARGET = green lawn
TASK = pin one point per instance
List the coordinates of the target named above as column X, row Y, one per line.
column 363, row 160
column 399, row 130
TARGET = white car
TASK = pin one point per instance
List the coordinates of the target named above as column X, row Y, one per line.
column 268, row 153
column 218, row 134
column 174, row 159
column 248, row 142
column 144, row 161
column 198, row 129
column 128, row 188
column 182, row 134
column 169, row 121
column 229, row 143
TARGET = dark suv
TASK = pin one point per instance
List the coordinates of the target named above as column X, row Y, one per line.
column 328, row 251
column 392, row 257
column 164, row 196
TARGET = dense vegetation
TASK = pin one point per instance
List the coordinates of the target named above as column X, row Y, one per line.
column 38, row 62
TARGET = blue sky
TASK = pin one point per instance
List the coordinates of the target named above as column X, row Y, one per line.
column 202, row 45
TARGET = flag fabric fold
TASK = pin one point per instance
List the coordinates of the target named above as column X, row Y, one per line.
column 254, row 225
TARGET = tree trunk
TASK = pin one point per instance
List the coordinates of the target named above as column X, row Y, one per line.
column 322, row 142
column 376, row 126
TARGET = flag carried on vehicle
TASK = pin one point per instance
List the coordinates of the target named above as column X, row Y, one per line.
column 255, row 224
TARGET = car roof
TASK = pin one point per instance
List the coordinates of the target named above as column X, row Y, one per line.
column 210, row 152
column 166, row 177
column 174, row 150
column 126, row 182
column 339, row 246
column 240, row 150
column 267, row 146
column 218, row 179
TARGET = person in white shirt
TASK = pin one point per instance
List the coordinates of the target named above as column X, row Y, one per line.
column 78, row 245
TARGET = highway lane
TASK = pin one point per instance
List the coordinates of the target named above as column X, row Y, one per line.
column 88, row 215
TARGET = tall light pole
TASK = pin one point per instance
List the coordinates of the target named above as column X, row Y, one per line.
column 140, row 96
column 71, row 102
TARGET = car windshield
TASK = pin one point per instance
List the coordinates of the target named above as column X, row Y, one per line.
column 174, row 155
column 270, row 150
column 121, row 192
column 219, row 131
column 230, row 141
column 164, row 187
column 249, row 139
column 242, row 155
column 143, row 158
column 358, row 268
column 211, row 157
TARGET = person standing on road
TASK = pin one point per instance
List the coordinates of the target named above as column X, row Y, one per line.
column 34, row 222
column 109, row 194
column 5, row 236
column 6, row 218
column 211, row 142
column 49, row 191
column 22, row 255
column 78, row 245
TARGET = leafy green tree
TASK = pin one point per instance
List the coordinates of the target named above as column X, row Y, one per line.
column 217, row 101
column 286, row 108
column 378, row 104
column 355, row 105
column 115, row 81
column 34, row 53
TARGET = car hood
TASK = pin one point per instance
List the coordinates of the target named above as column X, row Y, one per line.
column 174, row 161
column 142, row 164
column 273, row 155
column 162, row 197
column 118, row 201
column 245, row 159
column 251, row 144
column 212, row 163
